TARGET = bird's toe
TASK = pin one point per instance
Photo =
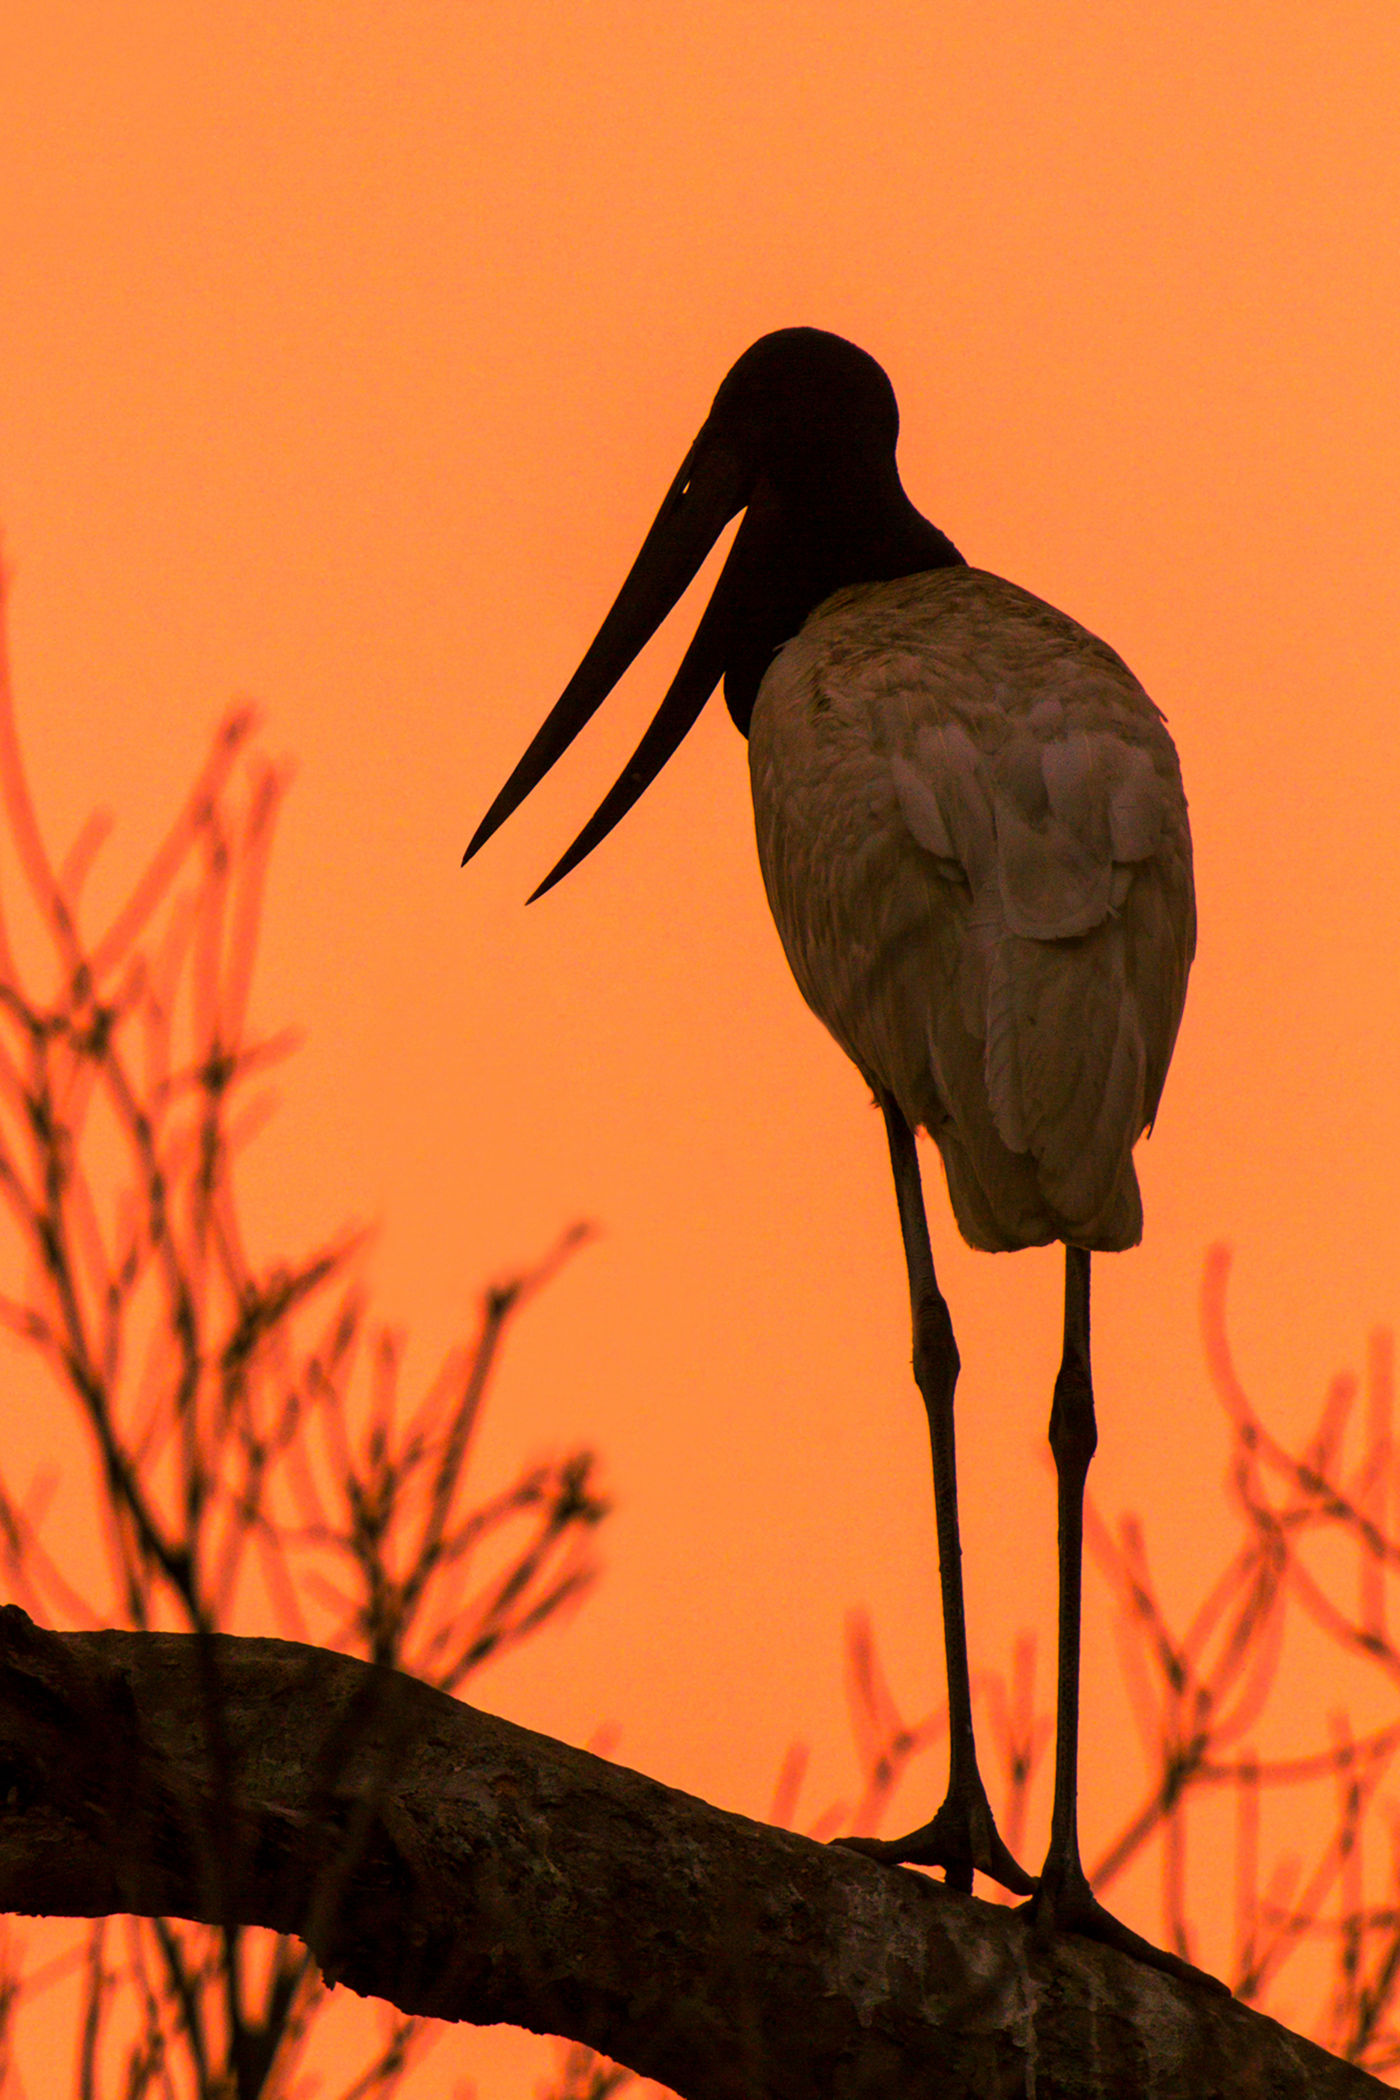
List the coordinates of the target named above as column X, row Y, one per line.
column 1064, row 1902
column 961, row 1837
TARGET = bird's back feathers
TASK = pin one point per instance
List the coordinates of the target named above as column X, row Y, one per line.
column 974, row 839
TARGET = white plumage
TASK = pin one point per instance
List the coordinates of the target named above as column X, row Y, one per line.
column 973, row 836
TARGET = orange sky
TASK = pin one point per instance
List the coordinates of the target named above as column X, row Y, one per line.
column 347, row 350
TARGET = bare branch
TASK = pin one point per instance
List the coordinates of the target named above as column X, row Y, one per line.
column 499, row 1876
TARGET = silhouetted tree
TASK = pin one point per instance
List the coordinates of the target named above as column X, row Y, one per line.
column 249, row 1819
column 254, row 1460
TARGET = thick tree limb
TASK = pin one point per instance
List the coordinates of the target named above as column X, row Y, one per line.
column 465, row 1868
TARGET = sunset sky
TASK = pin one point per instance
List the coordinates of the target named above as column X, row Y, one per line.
column 347, row 350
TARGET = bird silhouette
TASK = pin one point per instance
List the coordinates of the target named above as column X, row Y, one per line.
column 974, row 841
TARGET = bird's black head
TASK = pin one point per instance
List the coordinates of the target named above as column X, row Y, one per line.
column 801, row 438
column 802, row 406
column 814, row 421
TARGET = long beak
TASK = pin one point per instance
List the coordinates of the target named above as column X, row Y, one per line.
column 710, row 488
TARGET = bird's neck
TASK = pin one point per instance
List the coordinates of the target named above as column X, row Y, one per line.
column 793, row 551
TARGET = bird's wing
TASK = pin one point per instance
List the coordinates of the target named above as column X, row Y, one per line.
column 972, row 826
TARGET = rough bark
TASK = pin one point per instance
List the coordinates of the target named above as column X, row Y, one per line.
column 461, row 1867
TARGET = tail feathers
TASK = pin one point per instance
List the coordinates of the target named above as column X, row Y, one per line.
column 1042, row 1150
column 1000, row 1205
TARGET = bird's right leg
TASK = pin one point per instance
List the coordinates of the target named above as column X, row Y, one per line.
column 963, row 1834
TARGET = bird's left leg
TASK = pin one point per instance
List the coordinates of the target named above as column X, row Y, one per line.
column 1064, row 1899
column 963, row 1834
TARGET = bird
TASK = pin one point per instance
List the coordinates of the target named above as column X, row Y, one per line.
column 973, row 836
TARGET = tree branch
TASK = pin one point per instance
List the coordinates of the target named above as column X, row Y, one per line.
column 462, row 1867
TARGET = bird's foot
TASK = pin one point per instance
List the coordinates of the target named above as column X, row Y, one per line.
column 1064, row 1902
column 961, row 1836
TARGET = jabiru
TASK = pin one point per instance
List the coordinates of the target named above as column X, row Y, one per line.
column 974, row 840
